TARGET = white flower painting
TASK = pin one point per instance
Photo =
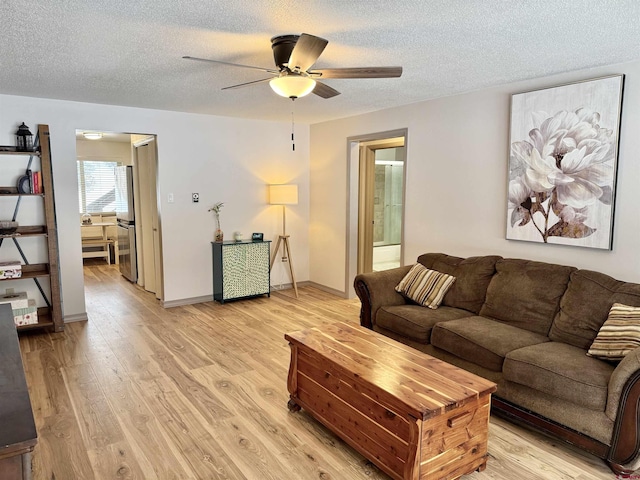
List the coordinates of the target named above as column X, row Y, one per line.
column 562, row 163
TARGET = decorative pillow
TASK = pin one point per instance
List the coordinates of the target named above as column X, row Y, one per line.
column 425, row 287
column 619, row 334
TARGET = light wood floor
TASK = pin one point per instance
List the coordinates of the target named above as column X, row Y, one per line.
column 199, row 392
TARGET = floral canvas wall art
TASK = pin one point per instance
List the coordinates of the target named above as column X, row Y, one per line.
column 562, row 163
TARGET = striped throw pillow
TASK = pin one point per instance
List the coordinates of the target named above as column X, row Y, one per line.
column 619, row 334
column 425, row 287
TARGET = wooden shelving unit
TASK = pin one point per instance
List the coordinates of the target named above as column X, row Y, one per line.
column 49, row 316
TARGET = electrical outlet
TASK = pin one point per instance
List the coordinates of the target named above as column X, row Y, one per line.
column 170, row 198
column 195, row 197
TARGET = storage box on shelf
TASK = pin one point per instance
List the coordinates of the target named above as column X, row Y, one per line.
column 24, row 309
column 45, row 274
column 27, row 315
column 17, row 300
column 10, row 269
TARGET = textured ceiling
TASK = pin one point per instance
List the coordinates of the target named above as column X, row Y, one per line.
column 128, row 52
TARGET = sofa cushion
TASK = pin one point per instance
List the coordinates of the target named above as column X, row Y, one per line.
column 561, row 370
column 586, row 304
column 415, row 322
column 619, row 335
column 526, row 294
column 424, row 286
column 482, row 340
column 584, row 308
column 472, row 274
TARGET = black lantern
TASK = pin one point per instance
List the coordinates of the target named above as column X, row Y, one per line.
column 24, row 139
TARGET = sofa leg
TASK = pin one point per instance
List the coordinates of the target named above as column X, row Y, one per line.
column 619, row 469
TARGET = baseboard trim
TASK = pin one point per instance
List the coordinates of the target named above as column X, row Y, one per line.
column 286, row 286
column 274, row 288
column 327, row 289
column 78, row 317
column 187, row 301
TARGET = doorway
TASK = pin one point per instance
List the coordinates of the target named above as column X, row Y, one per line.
column 376, row 179
column 387, row 207
column 380, row 201
column 137, row 153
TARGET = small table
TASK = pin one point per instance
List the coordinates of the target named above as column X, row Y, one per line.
column 414, row 416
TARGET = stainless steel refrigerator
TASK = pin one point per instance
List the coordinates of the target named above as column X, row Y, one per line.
column 125, row 216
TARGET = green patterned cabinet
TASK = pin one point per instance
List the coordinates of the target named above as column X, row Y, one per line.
column 240, row 269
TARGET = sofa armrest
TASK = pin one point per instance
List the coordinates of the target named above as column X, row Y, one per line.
column 377, row 289
column 625, row 370
column 623, row 406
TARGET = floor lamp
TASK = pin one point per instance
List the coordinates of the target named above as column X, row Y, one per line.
column 284, row 195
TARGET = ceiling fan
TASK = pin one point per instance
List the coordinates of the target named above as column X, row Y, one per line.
column 294, row 56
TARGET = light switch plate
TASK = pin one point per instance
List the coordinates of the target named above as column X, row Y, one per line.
column 170, row 198
column 195, row 197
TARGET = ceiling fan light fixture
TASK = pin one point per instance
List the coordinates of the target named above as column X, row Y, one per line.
column 92, row 135
column 292, row 86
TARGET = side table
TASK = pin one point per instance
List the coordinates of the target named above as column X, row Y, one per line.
column 241, row 269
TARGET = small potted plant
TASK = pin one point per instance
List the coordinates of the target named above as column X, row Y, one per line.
column 218, row 236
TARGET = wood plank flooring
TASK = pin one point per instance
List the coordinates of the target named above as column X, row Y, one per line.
column 199, row 392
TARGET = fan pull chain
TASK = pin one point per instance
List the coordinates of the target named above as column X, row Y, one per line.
column 293, row 142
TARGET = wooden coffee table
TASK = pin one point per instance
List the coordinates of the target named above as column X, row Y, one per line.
column 414, row 416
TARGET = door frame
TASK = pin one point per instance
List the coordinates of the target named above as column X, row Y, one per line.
column 353, row 188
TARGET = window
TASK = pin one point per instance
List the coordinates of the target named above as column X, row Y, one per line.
column 97, row 186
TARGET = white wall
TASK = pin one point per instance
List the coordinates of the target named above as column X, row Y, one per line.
column 223, row 159
column 457, row 155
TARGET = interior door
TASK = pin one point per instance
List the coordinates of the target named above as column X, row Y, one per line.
column 155, row 219
column 150, row 254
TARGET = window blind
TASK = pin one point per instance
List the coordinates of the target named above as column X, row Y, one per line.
column 97, row 186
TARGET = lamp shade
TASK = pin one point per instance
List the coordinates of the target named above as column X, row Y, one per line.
column 283, row 194
column 292, row 86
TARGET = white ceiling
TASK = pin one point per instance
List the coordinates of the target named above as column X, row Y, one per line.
column 128, row 52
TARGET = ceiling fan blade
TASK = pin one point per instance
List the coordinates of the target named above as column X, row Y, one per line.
column 363, row 72
column 247, row 84
column 325, row 91
column 268, row 70
column 307, row 50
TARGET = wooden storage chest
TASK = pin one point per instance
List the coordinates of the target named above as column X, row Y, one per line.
column 413, row 415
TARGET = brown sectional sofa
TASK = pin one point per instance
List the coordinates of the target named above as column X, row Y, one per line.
column 526, row 326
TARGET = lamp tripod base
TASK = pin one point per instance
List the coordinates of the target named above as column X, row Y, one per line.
column 286, row 254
